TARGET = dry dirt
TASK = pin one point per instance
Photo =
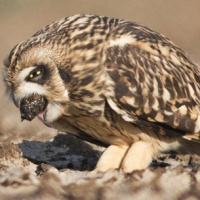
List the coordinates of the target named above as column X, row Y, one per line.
column 62, row 169
column 37, row 163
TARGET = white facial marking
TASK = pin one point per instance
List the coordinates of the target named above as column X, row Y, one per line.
column 24, row 73
column 27, row 88
column 54, row 111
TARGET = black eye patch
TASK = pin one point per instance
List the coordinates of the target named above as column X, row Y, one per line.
column 38, row 74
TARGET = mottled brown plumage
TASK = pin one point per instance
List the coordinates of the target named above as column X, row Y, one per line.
column 112, row 80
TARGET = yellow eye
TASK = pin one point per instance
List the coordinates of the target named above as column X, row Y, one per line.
column 38, row 72
column 35, row 74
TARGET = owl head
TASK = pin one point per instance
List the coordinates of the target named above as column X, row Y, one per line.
column 33, row 80
column 58, row 67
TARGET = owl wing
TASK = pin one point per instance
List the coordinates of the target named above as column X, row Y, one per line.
column 155, row 85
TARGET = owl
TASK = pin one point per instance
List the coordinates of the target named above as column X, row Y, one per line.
column 112, row 81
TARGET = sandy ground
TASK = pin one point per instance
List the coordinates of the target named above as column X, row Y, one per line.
column 62, row 169
column 38, row 163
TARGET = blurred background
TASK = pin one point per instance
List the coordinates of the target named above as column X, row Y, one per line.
column 179, row 20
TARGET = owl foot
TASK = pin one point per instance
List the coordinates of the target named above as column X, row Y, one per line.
column 111, row 158
column 127, row 158
column 138, row 156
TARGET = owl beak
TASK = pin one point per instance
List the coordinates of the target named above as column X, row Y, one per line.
column 15, row 101
column 31, row 106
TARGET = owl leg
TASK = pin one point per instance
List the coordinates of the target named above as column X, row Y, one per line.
column 138, row 157
column 111, row 158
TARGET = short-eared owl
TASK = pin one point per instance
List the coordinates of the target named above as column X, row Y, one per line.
column 116, row 81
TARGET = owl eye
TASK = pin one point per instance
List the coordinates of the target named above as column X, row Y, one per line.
column 35, row 75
